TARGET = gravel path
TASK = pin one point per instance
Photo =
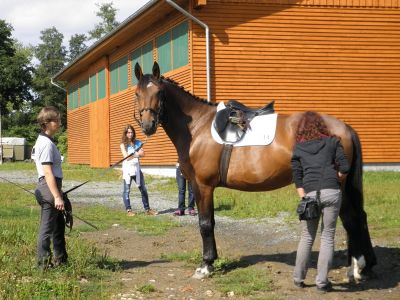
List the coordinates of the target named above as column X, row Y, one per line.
column 109, row 194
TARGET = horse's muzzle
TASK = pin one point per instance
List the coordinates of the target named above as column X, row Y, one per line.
column 149, row 127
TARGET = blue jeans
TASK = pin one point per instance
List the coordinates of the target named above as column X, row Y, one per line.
column 142, row 189
column 182, row 191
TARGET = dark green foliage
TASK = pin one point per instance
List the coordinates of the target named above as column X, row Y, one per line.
column 15, row 71
column 107, row 14
column 76, row 46
column 51, row 55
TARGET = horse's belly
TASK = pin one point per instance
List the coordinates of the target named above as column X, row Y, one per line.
column 259, row 179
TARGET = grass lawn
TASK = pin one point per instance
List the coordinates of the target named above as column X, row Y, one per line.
column 19, row 218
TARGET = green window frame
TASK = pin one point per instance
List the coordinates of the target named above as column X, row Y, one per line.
column 164, row 52
column 84, row 92
column 144, row 56
column 73, row 97
column 180, row 45
column 173, row 48
column 93, row 88
column 119, row 75
column 101, row 84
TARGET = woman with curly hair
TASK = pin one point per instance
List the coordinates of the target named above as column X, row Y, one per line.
column 318, row 163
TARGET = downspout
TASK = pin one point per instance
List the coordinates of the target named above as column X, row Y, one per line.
column 55, row 84
column 187, row 14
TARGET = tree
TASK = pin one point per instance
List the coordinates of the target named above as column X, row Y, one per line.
column 107, row 13
column 15, row 71
column 51, row 55
column 76, row 46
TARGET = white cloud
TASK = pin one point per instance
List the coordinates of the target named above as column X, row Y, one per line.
column 29, row 17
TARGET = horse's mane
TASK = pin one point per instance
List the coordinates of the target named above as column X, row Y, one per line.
column 194, row 97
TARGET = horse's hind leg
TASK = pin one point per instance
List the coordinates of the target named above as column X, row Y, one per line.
column 205, row 206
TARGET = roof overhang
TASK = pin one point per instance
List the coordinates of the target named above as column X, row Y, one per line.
column 150, row 13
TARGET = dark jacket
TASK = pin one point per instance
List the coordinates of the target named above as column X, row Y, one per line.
column 308, row 159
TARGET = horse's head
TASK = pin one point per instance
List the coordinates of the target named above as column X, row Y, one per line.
column 150, row 99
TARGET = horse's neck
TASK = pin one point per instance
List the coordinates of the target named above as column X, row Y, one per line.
column 185, row 116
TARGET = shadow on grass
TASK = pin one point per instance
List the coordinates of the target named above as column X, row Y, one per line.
column 387, row 271
column 126, row 265
column 223, row 207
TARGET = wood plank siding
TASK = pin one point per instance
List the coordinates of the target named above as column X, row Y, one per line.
column 337, row 57
column 106, row 121
column 340, row 57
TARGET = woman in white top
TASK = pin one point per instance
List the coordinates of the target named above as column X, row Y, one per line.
column 131, row 170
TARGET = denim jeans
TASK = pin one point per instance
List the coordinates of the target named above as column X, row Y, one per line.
column 182, row 191
column 142, row 189
column 52, row 226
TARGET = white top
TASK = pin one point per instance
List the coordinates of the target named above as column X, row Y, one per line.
column 46, row 153
column 131, row 167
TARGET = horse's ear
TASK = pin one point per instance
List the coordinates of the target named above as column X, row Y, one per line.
column 138, row 71
column 156, row 70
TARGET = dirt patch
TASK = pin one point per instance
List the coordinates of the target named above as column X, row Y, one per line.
column 262, row 243
column 269, row 243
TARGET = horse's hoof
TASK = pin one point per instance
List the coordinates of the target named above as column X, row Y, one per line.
column 202, row 272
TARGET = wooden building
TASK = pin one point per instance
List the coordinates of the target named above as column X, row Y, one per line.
column 335, row 56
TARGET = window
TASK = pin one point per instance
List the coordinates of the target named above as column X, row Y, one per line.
column 93, row 88
column 84, row 92
column 73, row 97
column 119, row 75
column 164, row 52
column 172, row 48
column 101, row 84
column 143, row 56
column 180, row 45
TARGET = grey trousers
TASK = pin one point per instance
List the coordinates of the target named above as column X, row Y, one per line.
column 330, row 201
column 52, row 226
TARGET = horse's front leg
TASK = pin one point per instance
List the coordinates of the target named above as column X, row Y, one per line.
column 205, row 206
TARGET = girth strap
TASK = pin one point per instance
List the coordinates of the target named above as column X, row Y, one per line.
column 224, row 163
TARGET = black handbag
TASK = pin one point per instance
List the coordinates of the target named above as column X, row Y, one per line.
column 309, row 208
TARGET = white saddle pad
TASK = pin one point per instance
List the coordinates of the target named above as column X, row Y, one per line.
column 260, row 133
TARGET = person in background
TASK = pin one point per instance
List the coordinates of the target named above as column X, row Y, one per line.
column 131, row 170
column 48, row 191
column 318, row 163
column 182, row 183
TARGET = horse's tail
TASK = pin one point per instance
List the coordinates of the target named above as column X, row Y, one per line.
column 352, row 211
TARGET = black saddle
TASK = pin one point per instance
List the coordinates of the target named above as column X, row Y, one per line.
column 232, row 122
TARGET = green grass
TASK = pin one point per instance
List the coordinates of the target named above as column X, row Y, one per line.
column 89, row 273
column 193, row 258
column 104, row 217
column 146, row 289
column 19, row 217
column 230, row 275
column 245, row 281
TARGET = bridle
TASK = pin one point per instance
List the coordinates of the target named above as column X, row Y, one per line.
column 158, row 114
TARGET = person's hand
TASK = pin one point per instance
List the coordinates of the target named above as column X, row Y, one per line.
column 341, row 176
column 59, row 203
column 140, row 152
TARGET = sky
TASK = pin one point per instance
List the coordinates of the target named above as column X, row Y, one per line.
column 29, row 17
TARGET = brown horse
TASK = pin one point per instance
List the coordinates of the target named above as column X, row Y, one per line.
column 187, row 120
